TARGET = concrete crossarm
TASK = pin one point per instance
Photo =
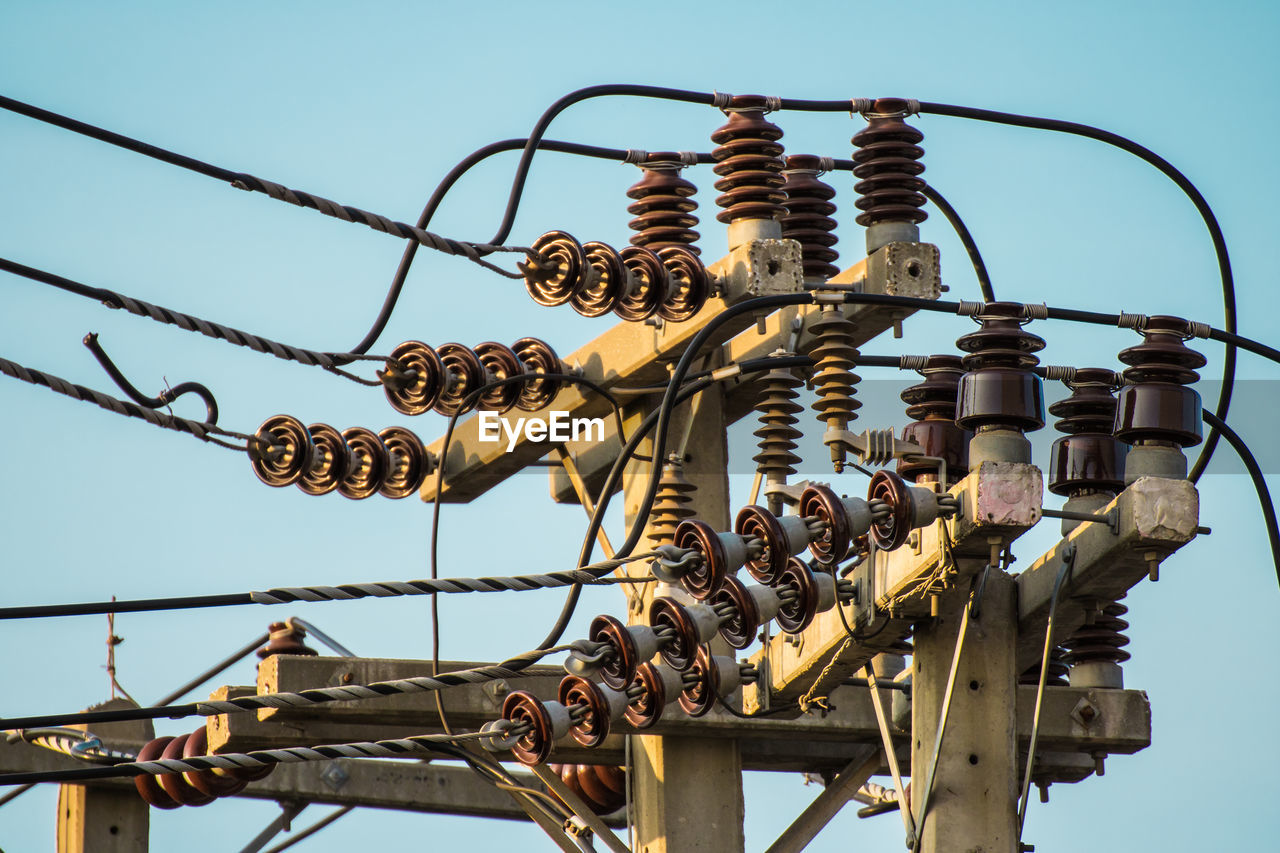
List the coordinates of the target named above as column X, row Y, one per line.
column 1153, row 518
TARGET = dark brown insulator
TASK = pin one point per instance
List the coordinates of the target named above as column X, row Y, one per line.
column 833, row 354
column 645, row 710
column 282, row 451
column 699, row 693
column 213, row 782
column 561, row 274
column 999, row 391
column 776, row 403
column 705, row 578
column 646, row 284
column 932, row 405
column 499, row 362
column 808, row 218
column 887, row 165
column 367, row 470
column 539, row 360
column 619, row 668
column 409, row 463
column 464, row 374
column 1104, row 640
column 1156, row 404
column 329, row 463
column 1057, row 672
column 890, row 532
column 534, row 746
column 664, row 205
column 670, row 503
column 602, row 787
column 416, row 393
column 593, row 726
column 1088, row 458
column 796, row 614
column 688, row 284
column 749, row 162
column 606, row 284
column 680, row 648
column 758, row 523
column 286, row 638
column 176, row 784
column 740, row 629
column 821, row 502
column 147, row 785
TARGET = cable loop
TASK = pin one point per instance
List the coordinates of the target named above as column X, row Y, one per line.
column 859, row 106
column 772, row 103
column 1036, row 311
column 720, row 100
column 968, row 308
column 913, row 362
column 1137, row 322
column 635, row 156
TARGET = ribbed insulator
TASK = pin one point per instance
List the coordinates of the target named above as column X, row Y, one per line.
column 808, row 218
column 932, row 405
column 1000, row 391
column 1057, row 674
column 887, row 164
column 1088, row 458
column 833, row 378
column 749, row 162
column 285, row 638
column 664, row 205
column 601, row 786
column 1104, row 640
column 776, row 403
column 670, row 503
column 1156, row 404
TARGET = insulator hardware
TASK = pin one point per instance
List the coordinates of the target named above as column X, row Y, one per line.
column 720, row 555
column 655, row 686
column 663, row 204
column 748, row 607
column 1000, row 391
column 749, row 162
column 684, row 629
column 1102, row 641
column 603, row 706
column 887, row 164
column 628, row 647
column 932, row 406
column 286, row 638
column 1056, row 676
column 670, row 502
column 808, row 218
column 843, row 520
column 603, row 787
column 562, row 271
column 607, row 284
column 442, row 379
column 908, row 508
column 833, row 358
column 811, row 594
column 544, row 724
column 780, row 538
column 1088, row 458
column 777, row 406
column 199, row 788
column 712, row 676
column 1156, row 405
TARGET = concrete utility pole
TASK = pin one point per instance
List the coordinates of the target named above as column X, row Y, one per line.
column 106, row 820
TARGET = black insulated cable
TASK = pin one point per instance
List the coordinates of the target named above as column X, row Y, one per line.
column 1259, row 484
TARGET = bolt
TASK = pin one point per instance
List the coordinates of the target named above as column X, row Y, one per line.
column 348, row 677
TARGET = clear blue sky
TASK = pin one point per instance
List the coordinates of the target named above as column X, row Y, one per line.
column 370, row 105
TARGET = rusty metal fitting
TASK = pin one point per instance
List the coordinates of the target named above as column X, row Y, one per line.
column 749, row 162
column 602, row 787
column 592, row 726
column 1000, row 391
column 281, row 452
column 843, row 519
column 413, row 391
column 688, row 284
column 546, row 722
column 670, row 502
column 286, row 638
column 833, row 378
column 722, row 554
column 561, row 273
column 499, row 361
column 329, row 463
column 629, row 646
column 664, row 205
column 932, row 406
column 797, row 610
column 1088, row 458
column 646, row 284
column 369, row 461
column 808, row 218
column 607, row 283
column 409, row 463
column 1155, row 405
column 887, row 164
column 539, row 360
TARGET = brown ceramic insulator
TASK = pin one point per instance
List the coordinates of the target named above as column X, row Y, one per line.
column 740, row 629
column 823, row 504
column 619, row 669
column 1089, row 458
column 777, row 434
column 602, row 787
column 329, row 462
column 749, row 162
column 757, row 522
column 664, row 205
column 465, row 374
column 1104, row 640
column 593, row 726
column 367, row 470
column 533, row 747
column 176, row 784
column 797, row 613
column 414, row 395
column 688, row 284
column 808, row 218
column 890, row 533
column 607, row 282
column 1056, row 676
column 645, row 710
column 148, row 786
column 285, row 638
column 705, row 578
column 833, row 378
column 409, row 463
column 932, row 406
column 680, row 648
column 699, row 696
column 539, row 360
column 214, row 783
column 887, row 165
column 279, row 468
column 499, row 362
column 563, row 274
column 647, row 284
column 999, row 391
column 1156, row 404
column 670, row 503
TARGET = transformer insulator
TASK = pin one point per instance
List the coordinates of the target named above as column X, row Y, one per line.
column 688, row 284
column 932, row 405
column 413, row 393
column 1088, row 458
column 562, row 273
column 409, row 463
column 776, row 403
column 1156, row 404
column 833, row 355
column 808, row 218
column 647, row 284
column 539, row 360
column 286, row 638
column 887, row 164
column 664, row 205
column 281, row 452
column 838, row 528
column 607, row 282
column 1104, row 640
column 329, row 462
column 499, row 361
column 999, row 391
column 602, row 787
column 670, row 503
column 749, row 162
column 1056, row 676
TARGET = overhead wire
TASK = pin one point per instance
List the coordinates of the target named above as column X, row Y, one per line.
column 1259, row 483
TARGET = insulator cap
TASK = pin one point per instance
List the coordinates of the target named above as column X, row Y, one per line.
column 593, row 726
column 1089, row 457
column 281, row 452
column 607, row 282
column 740, row 629
column 411, row 463
column 758, row 522
column 647, row 284
column 932, row 403
column 534, row 746
column 148, row 786
column 887, row 163
column 664, row 205
column 603, row 787
column 286, row 638
column 416, row 395
column 749, row 163
column 699, row 697
column 562, row 275
column 1156, row 404
column 1000, row 391
column 797, row 614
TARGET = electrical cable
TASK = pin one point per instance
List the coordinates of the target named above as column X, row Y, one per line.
column 966, row 240
column 1259, row 483
column 1184, row 184
column 216, row 669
